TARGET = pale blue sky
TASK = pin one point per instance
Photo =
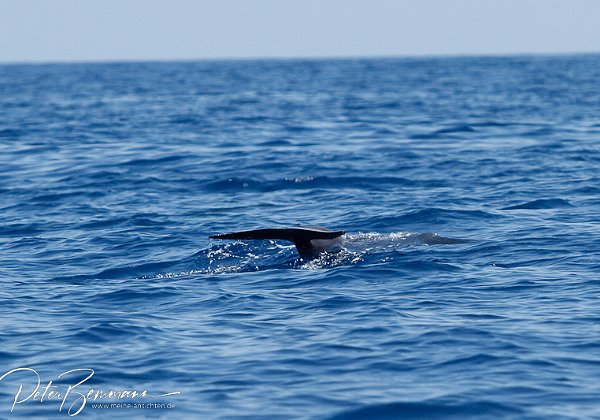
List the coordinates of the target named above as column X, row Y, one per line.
column 84, row 30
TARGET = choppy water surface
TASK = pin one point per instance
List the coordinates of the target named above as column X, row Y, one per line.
column 468, row 284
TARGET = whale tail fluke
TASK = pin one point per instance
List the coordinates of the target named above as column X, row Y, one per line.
column 302, row 237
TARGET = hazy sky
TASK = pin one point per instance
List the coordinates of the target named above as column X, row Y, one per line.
column 83, row 30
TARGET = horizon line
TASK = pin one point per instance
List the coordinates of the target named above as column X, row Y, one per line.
column 296, row 58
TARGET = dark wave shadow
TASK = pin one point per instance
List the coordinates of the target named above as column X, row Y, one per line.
column 542, row 204
column 428, row 410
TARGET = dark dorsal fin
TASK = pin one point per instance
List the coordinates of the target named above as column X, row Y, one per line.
column 300, row 236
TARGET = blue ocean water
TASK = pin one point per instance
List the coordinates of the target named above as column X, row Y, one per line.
column 467, row 285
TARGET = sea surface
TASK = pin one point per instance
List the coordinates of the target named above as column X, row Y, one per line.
column 467, row 285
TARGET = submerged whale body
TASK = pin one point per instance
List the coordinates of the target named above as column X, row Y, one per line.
column 310, row 241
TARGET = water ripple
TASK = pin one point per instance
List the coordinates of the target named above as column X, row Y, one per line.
column 466, row 286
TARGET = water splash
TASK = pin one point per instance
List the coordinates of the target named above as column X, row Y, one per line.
column 266, row 255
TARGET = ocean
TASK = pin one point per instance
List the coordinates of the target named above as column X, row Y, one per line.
column 467, row 285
